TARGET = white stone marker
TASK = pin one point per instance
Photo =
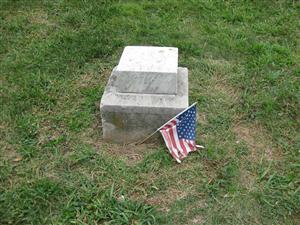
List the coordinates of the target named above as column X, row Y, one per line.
column 144, row 91
column 148, row 70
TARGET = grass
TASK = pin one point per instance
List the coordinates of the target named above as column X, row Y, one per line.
column 243, row 59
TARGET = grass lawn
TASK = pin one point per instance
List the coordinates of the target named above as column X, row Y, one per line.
column 243, row 59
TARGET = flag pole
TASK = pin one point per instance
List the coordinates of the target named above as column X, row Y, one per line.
column 145, row 139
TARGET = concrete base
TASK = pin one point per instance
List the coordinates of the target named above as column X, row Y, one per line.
column 130, row 117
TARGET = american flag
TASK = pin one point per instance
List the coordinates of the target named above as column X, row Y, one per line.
column 179, row 134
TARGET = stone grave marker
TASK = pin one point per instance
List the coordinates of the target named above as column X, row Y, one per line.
column 145, row 90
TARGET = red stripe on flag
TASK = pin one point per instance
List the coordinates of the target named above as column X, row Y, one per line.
column 186, row 145
column 174, row 142
column 174, row 122
column 194, row 144
column 166, row 137
column 169, row 125
column 191, row 144
column 183, row 147
column 177, row 141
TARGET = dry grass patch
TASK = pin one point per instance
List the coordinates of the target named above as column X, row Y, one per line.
column 92, row 78
column 259, row 146
column 247, row 179
column 258, row 141
column 7, row 150
column 219, row 80
column 199, row 220
column 132, row 154
column 201, row 118
column 220, row 85
column 48, row 133
column 40, row 17
column 165, row 198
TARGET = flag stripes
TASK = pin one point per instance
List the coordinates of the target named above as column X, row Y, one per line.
column 178, row 148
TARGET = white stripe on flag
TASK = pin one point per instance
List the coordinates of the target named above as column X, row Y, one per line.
column 172, row 138
column 192, row 145
column 187, row 146
column 168, row 142
column 177, row 143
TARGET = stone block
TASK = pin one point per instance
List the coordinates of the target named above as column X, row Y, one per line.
column 147, row 70
column 129, row 117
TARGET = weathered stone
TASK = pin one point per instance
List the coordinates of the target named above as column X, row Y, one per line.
column 147, row 70
column 129, row 117
column 144, row 91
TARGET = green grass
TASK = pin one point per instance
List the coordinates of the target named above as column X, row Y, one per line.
column 243, row 59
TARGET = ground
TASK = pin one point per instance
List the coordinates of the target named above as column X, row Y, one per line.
column 243, row 59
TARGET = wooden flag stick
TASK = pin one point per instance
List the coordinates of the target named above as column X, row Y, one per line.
column 145, row 139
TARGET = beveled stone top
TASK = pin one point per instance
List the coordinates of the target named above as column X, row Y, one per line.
column 112, row 100
column 148, row 70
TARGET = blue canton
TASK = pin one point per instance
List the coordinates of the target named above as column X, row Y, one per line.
column 186, row 127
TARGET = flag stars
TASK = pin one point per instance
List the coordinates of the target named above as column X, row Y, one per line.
column 186, row 125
